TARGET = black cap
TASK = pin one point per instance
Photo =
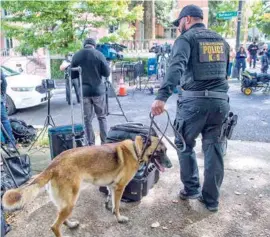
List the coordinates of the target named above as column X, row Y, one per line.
column 90, row 41
column 189, row 10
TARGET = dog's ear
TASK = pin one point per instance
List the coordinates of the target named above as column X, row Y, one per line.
column 147, row 140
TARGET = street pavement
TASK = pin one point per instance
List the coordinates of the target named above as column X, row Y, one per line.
column 244, row 201
column 253, row 111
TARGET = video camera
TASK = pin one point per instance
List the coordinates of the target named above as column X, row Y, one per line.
column 48, row 84
column 159, row 49
column 111, row 51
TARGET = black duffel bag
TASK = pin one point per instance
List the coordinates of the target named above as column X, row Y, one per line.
column 22, row 132
column 147, row 175
column 121, row 132
column 16, row 170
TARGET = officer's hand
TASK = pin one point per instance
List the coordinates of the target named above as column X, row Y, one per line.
column 157, row 107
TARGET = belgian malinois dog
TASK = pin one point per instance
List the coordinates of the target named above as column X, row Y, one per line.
column 112, row 165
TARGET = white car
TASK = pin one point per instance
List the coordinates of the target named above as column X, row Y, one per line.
column 23, row 90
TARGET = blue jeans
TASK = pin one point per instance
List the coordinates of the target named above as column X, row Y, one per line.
column 254, row 59
column 230, row 69
column 6, row 124
column 205, row 116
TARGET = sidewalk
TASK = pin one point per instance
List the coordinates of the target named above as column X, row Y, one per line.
column 244, row 203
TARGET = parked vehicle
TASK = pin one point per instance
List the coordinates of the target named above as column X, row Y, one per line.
column 23, row 90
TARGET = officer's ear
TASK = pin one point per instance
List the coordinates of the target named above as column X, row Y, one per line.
column 188, row 19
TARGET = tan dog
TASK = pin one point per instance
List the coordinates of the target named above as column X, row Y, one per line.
column 112, row 165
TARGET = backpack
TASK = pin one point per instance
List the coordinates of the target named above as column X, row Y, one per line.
column 22, row 132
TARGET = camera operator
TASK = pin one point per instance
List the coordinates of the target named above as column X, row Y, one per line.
column 94, row 66
column 65, row 66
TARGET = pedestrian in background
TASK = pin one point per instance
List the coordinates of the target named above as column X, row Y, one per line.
column 265, row 61
column 241, row 56
column 232, row 57
column 65, row 66
column 253, row 50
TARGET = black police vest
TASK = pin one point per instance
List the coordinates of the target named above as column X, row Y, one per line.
column 209, row 55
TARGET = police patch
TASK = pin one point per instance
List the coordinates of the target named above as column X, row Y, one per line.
column 211, row 52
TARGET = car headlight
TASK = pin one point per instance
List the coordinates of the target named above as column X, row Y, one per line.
column 22, row 89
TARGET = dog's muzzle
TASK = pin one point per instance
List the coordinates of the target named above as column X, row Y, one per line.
column 161, row 160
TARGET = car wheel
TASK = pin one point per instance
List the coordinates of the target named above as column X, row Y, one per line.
column 11, row 109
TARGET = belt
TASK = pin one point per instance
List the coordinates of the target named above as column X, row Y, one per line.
column 206, row 94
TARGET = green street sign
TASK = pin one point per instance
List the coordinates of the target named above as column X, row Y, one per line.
column 226, row 15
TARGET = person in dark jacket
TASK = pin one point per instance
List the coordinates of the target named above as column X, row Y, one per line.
column 253, row 50
column 94, row 67
column 4, row 116
column 241, row 56
column 199, row 62
column 65, row 66
column 264, row 61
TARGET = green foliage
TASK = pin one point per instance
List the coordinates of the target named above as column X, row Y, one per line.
column 162, row 10
column 224, row 27
column 62, row 25
column 263, row 21
column 55, row 71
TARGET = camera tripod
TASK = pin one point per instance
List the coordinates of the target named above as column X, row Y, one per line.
column 48, row 121
column 109, row 86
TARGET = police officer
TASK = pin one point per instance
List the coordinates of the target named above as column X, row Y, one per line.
column 65, row 66
column 198, row 63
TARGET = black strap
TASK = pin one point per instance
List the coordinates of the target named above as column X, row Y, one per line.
column 163, row 135
column 135, row 149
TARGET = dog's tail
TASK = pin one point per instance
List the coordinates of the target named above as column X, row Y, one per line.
column 15, row 199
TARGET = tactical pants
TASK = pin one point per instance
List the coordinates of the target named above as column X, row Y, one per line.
column 201, row 116
column 95, row 105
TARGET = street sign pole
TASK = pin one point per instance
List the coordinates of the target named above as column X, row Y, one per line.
column 240, row 5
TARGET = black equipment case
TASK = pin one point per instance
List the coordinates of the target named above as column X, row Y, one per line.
column 66, row 137
column 147, row 175
column 60, row 138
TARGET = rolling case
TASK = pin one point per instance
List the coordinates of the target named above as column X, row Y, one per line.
column 61, row 138
column 147, row 175
column 66, row 137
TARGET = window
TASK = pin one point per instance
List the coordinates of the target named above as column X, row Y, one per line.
column 9, row 43
column 170, row 33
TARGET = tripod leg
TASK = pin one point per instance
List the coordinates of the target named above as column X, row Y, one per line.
column 119, row 104
column 42, row 131
column 107, row 98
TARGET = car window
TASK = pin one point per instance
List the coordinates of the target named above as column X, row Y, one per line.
column 9, row 72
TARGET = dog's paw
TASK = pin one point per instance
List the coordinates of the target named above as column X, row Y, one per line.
column 72, row 224
column 122, row 219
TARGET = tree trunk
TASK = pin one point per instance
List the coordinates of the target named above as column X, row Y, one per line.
column 149, row 19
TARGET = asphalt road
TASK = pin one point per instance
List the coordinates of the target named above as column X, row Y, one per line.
column 253, row 112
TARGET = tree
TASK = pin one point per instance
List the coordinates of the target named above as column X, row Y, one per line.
column 254, row 14
column 149, row 19
column 162, row 10
column 224, row 27
column 62, row 25
column 264, row 19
